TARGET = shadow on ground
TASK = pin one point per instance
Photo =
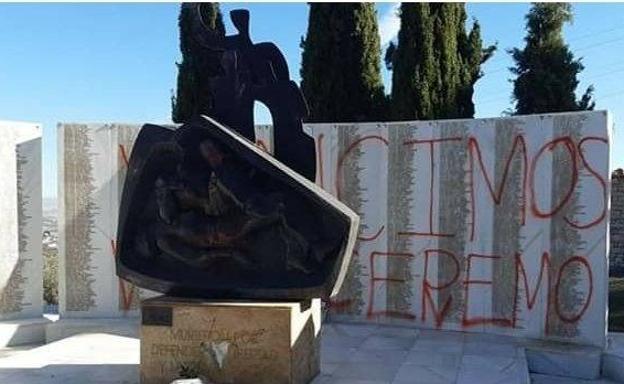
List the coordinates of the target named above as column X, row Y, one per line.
column 73, row 374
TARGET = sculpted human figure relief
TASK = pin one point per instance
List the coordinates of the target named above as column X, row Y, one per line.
column 200, row 226
column 206, row 213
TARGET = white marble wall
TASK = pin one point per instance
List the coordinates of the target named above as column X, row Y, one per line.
column 92, row 159
column 92, row 165
column 484, row 225
column 21, row 262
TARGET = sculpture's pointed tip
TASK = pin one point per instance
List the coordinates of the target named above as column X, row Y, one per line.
column 240, row 19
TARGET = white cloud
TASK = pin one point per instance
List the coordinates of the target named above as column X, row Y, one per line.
column 389, row 24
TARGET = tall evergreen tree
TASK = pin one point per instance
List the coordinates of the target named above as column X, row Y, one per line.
column 340, row 69
column 546, row 69
column 435, row 63
column 198, row 63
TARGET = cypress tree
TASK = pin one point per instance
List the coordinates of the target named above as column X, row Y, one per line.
column 435, row 63
column 198, row 63
column 340, row 69
column 546, row 69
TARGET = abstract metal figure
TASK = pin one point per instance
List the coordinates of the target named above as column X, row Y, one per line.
column 257, row 72
column 206, row 213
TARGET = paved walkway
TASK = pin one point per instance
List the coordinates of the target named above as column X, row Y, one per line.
column 366, row 354
column 351, row 354
column 375, row 354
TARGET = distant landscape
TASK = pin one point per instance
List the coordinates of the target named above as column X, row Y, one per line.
column 50, row 254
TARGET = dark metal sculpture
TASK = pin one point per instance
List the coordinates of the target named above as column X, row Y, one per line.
column 257, row 72
column 206, row 213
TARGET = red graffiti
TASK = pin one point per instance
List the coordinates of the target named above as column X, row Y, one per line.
column 530, row 180
column 126, row 297
column 427, row 287
column 439, row 297
column 319, row 153
column 262, row 145
column 431, row 143
column 573, row 318
column 521, row 282
column 601, row 180
column 339, row 175
column 570, row 147
column 530, row 298
column 124, row 156
column 479, row 320
column 374, row 279
column 339, row 305
column 374, row 236
column 552, row 296
column 473, row 147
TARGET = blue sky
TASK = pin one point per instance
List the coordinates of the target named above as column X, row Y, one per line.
column 116, row 62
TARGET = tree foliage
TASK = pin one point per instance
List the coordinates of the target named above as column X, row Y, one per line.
column 546, row 69
column 50, row 275
column 435, row 63
column 198, row 63
column 340, row 70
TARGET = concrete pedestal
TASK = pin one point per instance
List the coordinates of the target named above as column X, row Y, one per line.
column 230, row 341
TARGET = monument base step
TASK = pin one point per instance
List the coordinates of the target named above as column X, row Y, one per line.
column 23, row 331
column 566, row 360
column 538, row 378
column 242, row 342
column 65, row 327
column 613, row 358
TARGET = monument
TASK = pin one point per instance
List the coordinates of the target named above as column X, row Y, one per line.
column 243, row 244
column 21, row 275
